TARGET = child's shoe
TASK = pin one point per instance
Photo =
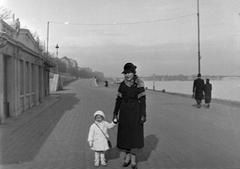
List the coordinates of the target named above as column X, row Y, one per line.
column 97, row 163
column 103, row 162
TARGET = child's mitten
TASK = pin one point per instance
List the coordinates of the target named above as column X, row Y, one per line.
column 90, row 143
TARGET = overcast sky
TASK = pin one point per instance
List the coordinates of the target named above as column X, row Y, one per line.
column 159, row 36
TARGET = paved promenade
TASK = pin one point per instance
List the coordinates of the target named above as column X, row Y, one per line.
column 178, row 135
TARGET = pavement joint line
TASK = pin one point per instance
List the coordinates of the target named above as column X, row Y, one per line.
column 187, row 137
column 46, row 106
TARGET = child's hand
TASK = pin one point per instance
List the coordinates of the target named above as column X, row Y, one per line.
column 90, row 143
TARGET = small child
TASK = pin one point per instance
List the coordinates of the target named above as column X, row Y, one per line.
column 97, row 140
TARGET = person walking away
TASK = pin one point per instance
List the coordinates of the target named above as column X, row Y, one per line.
column 106, row 83
column 208, row 93
column 93, row 82
column 97, row 137
column 130, row 113
column 198, row 86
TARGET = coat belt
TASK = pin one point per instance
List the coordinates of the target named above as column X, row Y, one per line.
column 130, row 100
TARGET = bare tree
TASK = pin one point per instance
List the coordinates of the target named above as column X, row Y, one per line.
column 5, row 14
column 36, row 38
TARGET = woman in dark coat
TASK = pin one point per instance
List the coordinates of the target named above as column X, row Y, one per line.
column 208, row 92
column 130, row 112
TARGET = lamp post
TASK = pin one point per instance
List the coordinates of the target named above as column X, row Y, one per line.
column 199, row 56
column 47, row 37
column 57, row 56
column 48, row 30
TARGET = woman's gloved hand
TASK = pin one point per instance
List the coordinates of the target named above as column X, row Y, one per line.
column 115, row 119
column 143, row 119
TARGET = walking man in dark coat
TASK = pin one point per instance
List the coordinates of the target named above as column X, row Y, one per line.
column 198, row 87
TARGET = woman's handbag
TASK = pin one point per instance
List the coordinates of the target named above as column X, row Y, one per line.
column 108, row 141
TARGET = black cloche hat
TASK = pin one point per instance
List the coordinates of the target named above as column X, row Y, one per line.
column 129, row 67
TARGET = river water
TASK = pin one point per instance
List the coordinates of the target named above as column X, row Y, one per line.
column 226, row 89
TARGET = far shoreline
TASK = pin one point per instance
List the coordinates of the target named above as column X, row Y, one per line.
column 231, row 103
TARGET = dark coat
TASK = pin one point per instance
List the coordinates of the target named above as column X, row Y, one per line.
column 131, row 104
column 208, row 92
column 198, row 87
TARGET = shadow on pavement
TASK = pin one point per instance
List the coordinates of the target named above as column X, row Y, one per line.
column 113, row 153
column 196, row 106
column 151, row 142
column 23, row 144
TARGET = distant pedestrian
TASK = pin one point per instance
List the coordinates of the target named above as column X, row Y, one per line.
column 208, row 93
column 198, row 87
column 130, row 109
column 106, row 83
column 93, row 82
column 97, row 81
column 98, row 137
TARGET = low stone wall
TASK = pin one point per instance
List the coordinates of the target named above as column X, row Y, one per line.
column 57, row 81
column 66, row 79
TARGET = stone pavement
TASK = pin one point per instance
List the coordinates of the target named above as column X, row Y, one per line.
column 53, row 135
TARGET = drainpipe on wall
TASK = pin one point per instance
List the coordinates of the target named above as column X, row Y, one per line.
column 3, row 42
column 2, row 116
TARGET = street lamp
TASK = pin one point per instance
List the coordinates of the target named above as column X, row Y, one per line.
column 57, row 55
column 47, row 37
column 48, row 28
column 199, row 56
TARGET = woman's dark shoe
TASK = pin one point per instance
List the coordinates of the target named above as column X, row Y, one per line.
column 134, row 166
column 125, row 164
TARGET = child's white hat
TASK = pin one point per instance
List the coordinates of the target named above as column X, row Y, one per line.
column 99, row 112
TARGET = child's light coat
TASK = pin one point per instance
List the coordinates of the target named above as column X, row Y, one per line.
column 98, row 138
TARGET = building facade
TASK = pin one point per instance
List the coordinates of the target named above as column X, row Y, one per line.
column 66, row 61
column 24, row 71
column 69, row 62
column 73, row 63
